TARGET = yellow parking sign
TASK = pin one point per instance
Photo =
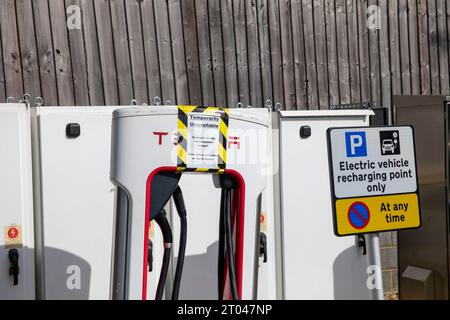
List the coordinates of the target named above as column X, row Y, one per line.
column 375, row 214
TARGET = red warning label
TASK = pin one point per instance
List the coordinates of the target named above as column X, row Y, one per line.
column 13, row 232
column 13, row 235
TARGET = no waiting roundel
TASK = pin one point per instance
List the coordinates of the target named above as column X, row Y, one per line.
column 358, row 215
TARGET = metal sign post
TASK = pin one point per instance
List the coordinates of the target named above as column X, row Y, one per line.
column 374, row 259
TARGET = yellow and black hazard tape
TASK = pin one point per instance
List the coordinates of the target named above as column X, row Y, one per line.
column 183, row 112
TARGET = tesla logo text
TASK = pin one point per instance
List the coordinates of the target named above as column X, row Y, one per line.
column 160, row 136
column 234, row 141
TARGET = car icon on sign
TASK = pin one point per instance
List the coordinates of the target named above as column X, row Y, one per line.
column 388, row 146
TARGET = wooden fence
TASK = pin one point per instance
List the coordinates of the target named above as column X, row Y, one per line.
column 304, row 54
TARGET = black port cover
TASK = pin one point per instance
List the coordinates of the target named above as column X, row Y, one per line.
column 305, row 132
column 163, row 187
column 73, row 130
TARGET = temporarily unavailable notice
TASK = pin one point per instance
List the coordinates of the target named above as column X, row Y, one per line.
column 203, row 140
column 374, row 179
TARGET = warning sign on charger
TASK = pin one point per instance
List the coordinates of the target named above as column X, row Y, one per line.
column 203, row 132
column 374, row 179
column 203, row 140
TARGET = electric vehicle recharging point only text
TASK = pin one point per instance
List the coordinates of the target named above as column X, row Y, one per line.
column 152, row 148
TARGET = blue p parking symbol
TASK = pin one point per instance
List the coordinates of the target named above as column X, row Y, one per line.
column 356, row 144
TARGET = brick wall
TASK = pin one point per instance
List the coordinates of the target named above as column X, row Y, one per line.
column 388, row 244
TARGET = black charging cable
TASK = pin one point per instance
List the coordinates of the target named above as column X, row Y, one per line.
column 181, row 209
column 226, row 250
column 229, row 245
column 166, row 231
column 221, row 249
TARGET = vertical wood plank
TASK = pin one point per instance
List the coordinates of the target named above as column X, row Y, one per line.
column 229, row 44
column 151, row 50
column 404, row 47
column 385, row 66
column 179, row 59
column 443, row 46
column 207, row 78
column 102, row 15
column 302, row 82
column 122, row 52
column 78, row 57
column 62, row 54
column 374, row 56
column 275, row 49
column 191, row 49
column 448, row 34
column 217, row 53
column 321, row 54
column 423, row 47
column 288, row 59
column 433, row 43
column 241, row 50
column 45, row 52
column 333, row 72
column 414, row 47
column 343, row 55
column 352, row 20
column 364, row 61
column 136, row 45
column 2, row 73
column 28, row 48
column 165, row 51
column 394, row 50
column 91, row 47
column 264, row 50
column 11, row 50
column 306, row 33
column 254, row 63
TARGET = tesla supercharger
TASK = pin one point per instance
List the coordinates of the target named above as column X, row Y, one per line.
column 313, row 263
column 155, row 150
column 202, row 244
column 17, row 280
column 74, row 201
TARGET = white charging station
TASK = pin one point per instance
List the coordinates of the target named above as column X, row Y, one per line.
column 313, row 263
column 74, row 201
column 88, row 242
column 17, row 279
column 145, row 143
column 204, row 224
